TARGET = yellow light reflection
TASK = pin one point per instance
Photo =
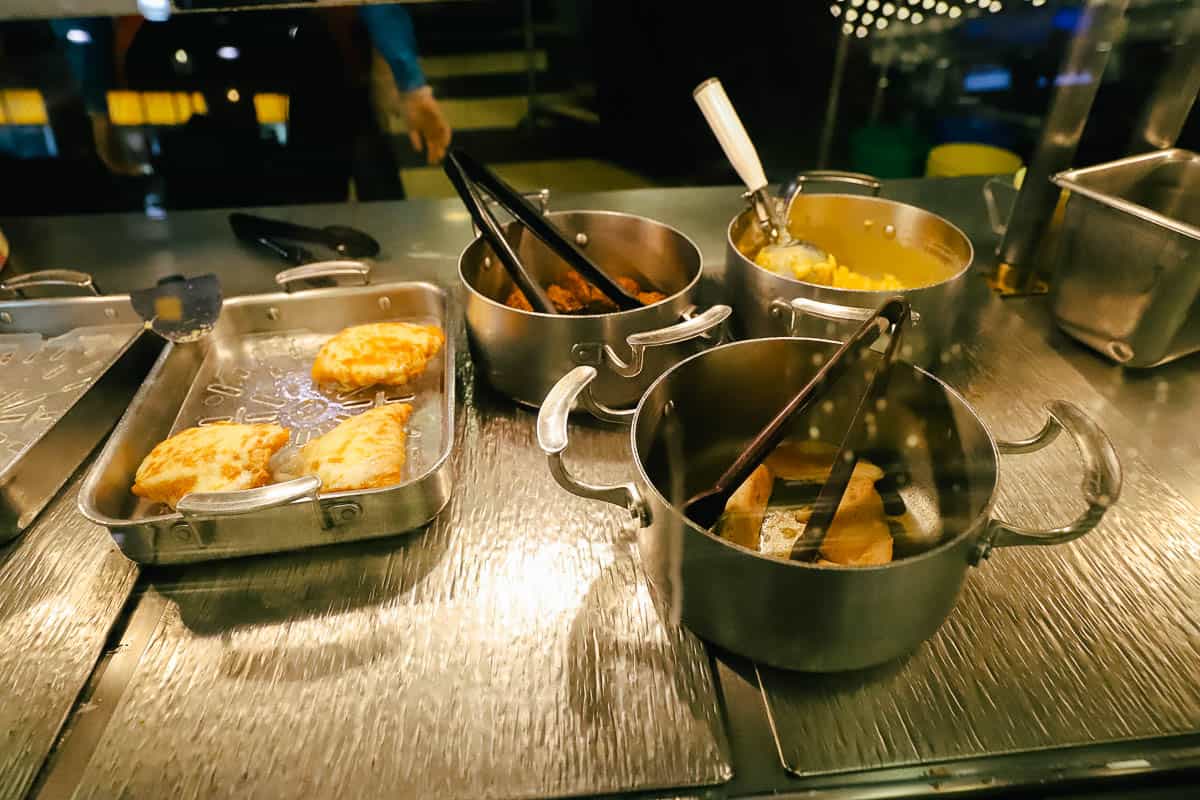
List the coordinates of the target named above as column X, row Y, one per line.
column 23, row 107
column 271, row 109
column 233, row 96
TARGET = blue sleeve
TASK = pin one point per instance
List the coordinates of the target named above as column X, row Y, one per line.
column 391, row 31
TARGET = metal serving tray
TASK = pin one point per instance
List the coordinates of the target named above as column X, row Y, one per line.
column 1128, row 281
column 68, row 367
column 255, row 367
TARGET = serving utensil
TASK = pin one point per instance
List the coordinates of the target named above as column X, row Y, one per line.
column 270, row 233
column 469, row 176
column 739, row 149
column 180, row 309
column 706, row 507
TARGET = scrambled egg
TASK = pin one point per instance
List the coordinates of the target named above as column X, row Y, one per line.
column 794, row 261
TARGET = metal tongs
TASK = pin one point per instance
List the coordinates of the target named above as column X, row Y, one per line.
column 469, row 178
column 706, row 508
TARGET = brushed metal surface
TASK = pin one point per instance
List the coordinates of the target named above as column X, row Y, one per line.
column 68, row 367
column 510, row 651
column 1092, row 642
column 61, row 587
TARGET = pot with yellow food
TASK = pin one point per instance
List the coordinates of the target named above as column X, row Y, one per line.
column 876, row 248
column 916, row 516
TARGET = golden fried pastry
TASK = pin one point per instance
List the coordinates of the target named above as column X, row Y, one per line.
column 215, row 458
column 388, row 353
column 744, row 510
column 363, row 452
column 859, row 534
column 810, row 461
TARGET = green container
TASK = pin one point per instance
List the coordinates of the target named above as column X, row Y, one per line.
column 888, row 151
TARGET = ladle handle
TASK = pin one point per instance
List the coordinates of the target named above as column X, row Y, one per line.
column 727, row 127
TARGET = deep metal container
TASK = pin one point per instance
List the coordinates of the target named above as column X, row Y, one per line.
column 796, row 615
column 255, row 367
column 858, row 230
column 1128, row 279
column 68, row 368
column 523, row 353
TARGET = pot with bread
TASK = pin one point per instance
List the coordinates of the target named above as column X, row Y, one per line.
column 302, row 419
column 915, row 515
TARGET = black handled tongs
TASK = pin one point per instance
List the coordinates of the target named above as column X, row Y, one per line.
column 469, row 178
column 706, row 508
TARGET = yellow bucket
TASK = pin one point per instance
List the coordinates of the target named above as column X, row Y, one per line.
column 961, row 158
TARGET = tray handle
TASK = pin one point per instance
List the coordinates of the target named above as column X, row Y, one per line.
column 324, row 269
column 207, row 505
column 51, row 277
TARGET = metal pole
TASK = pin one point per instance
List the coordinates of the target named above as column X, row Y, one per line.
column 1078, row 79
column 1167, row 110
column 530, row 64
column 831, row 107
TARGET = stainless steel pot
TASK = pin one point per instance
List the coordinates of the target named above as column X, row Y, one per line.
column 801, row 616
column 523, row 353
column 858, row 231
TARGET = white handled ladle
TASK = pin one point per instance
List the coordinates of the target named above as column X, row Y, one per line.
column 728, row 128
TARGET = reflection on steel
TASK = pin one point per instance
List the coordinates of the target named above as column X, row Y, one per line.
column 1100, row 25
column 512, row 650
column 61, row 588
column 1167, row 109
column 1083, row 644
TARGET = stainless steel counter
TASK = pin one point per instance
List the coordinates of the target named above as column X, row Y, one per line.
column 517, row 626
column 62, row 586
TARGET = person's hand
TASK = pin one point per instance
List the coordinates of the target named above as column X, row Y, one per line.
column 427, row 128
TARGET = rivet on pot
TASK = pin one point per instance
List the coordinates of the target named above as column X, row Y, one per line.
column 668, row 408
column 487, row 262
column 182, row 531
column 110, row 313
column 385, row 303
column 581, row 239
column 5, row 317
column 272, row 313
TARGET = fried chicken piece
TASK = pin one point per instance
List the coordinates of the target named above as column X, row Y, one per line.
column 573, row 294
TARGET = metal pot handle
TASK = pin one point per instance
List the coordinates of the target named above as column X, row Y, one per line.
column 553, row 436
column 796, row 185
column 690, row 328
column 50, row 277
column 1101, row 478
column 206, row 505
column 324, row 269
column 833, row 312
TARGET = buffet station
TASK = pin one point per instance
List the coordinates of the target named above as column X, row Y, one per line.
column 666, row 493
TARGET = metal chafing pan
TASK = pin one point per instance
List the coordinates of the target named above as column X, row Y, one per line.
column 68, row 367
column 255, row 367
column 1128, row 280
